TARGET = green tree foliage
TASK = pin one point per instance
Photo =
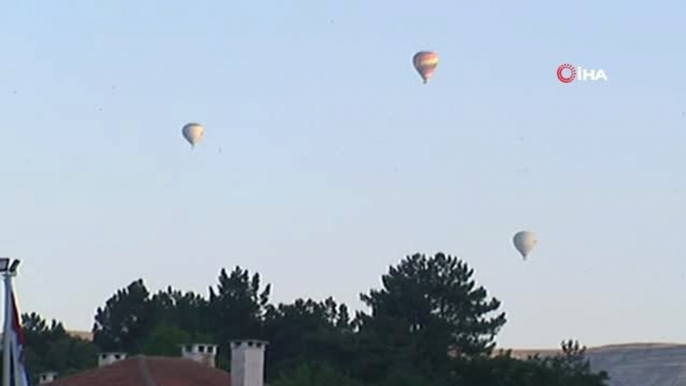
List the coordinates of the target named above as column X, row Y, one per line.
column 165, row 340
column 133, row 321
column 238, row 305
column 572, row 367
column 429, row 324
column 236, row 309
column 307, row 331
column 569, row 368
column 186, row 311
column 50, row 348
column 315, row 374
column 427, row 307
column 437, row 298
column 126, row 319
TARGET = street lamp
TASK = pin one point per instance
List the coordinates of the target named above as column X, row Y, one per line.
column 14, row 266
column 8, row 269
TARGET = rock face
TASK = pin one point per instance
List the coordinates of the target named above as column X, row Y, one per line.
column 641, row 364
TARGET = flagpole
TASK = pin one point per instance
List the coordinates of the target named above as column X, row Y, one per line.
column 7, row 331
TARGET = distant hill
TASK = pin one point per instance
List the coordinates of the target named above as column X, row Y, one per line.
column 85, row 335
column 634, row 364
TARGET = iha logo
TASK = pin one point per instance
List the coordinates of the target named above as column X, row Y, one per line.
column 566, row 73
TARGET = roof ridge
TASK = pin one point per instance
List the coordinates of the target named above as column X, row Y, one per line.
column 144, row 371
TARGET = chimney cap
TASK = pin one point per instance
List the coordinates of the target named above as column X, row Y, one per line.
column 249, row 342
column 111, row 353
column 107, row 358
column 190, row 348
column 47, row 377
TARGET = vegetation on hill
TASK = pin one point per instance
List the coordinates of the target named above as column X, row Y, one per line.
column 50, row 348
column 429, row 324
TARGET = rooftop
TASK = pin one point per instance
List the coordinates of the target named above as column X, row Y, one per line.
column 149, row 371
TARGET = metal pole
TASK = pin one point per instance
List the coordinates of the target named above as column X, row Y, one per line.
column 7, row 276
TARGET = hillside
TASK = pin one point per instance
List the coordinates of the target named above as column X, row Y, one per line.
column 636, row 364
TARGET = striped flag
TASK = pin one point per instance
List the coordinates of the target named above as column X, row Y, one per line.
column 18, row 374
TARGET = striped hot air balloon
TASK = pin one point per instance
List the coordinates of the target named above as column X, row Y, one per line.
column 425, row 62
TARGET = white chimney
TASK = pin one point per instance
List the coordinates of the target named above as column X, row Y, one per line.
column 247, row 362
column 201, row 353
column 107, row 358
column 46, row 377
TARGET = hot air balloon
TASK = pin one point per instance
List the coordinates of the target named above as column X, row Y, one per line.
column 525, row 242
column 193, row 132
column 425, row 62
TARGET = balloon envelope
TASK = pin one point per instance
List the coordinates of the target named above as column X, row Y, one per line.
column 425, row 63
column 525, row 242
column 193, row 133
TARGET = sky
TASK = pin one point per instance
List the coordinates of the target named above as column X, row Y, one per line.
column 326, row 160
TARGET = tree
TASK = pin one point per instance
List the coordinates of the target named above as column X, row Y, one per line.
column 70, row 355
column 187, row 311
column 573, row 367
column 315, row 374
column 408, row 376
column 573, row 359
column 238, row 305
column 566, row 369
column 165, row 340
column 426, row 308
column 429, row 325
column 38, row 335
column 236, row 309
column 50, row 348
column 307, row 331
column 125, row 320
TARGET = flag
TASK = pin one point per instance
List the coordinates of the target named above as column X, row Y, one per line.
column 18, row 374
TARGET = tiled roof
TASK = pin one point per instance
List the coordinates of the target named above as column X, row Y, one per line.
column 149, row 371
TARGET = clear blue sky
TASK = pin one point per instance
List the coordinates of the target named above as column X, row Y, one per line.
column 325, row 159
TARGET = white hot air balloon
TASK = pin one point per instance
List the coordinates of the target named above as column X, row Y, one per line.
column 525, row 242
column 193, row 133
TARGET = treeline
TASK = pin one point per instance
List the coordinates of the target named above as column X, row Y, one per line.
column 429, row 324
